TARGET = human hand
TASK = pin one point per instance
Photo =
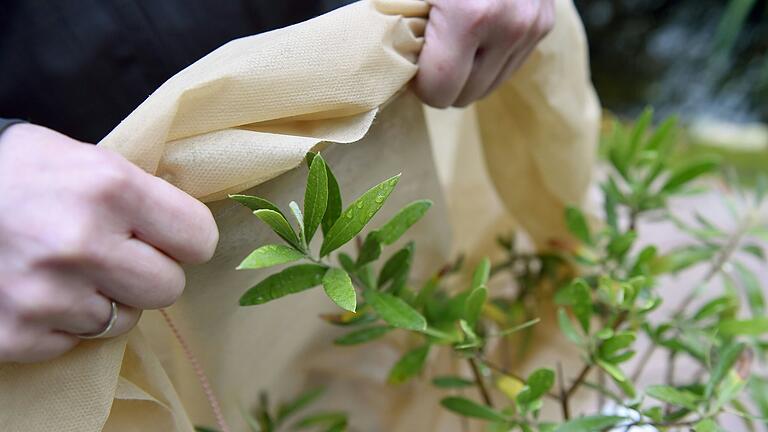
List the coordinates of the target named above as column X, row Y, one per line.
column 472, row 46
column 80, row 227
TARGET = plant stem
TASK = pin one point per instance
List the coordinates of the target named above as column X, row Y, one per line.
column 588, row 367
column 480, row 382
column 563, row 396
column 730, row 247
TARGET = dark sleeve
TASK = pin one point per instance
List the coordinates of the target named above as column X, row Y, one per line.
column 81, row 66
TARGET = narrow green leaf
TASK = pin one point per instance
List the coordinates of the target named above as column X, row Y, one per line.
column 659, row 138
column 315, row 196
column 397, row 265
column 300, row 222
column 613, row 370
column 205, row 429
column 255, row 203
column 279, row 225
column 322, row 419
column 449, row 381
column 363, row 335
column 752, row 288
column 566, row 326
column 400, row 222
column 409, row 365
column 357, row 215
column 370, row 251
column 638, row 132
column 302, row 401
column 470, row 408
column 291, row 280
column 577, row 224
column 333, row 209
column 536, row 386
column 595, row 423
column 707, row 425
column 482, row 273
column 751, row 327
column 474, row 305
column 673, row 396
column 726, row 359
column 338, row 287
column 687, row 173
column 395, row 311
column 582, row 303
column 617, row 342
column 270, row 255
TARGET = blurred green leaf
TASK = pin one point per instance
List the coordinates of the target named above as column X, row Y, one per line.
column 402, row 221
column 682, row 175
column 752, row 288
column 673, row 396
column 291, row 280
column 315, row 196
column 322, row 419
column 482, row 273
column 707, row 425
column 395, row 311
column 577, row 224
column 474, row 305
column 363, row 335
column 338, row 287
column 409, row 365
column 371, row 250
column 299, row 403
column 280, row 226
column 397, row 268
column 566, row 326
column 357, row 215
column 537, row 385
column 726, row 359
column 300, row 222
column 270, row 255
column 752, row 327
column 594, row 423
column 470, row 408
column 448, row 381
column 582, row 303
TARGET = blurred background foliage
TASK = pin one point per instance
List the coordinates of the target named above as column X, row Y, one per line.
column 703, row 60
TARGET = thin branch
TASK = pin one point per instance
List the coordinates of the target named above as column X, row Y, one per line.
column 480, row 382
column 730, row 247
column 563, row 395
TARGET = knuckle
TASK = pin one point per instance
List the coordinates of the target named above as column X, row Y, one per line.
column 111, row 181
column 76, row 241
column 478, row 14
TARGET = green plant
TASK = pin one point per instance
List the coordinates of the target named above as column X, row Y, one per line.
column 602, row 308
column 265, row 418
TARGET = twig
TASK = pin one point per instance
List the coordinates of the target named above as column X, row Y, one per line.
column 480, row 382
column 563, row 396
column 716, row 268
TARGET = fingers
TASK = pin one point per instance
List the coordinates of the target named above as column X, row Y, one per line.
column 446, row 60
column 29, row 345
column 138, row 275
column 174, row 222
column 159, row 213
column 472, row 47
